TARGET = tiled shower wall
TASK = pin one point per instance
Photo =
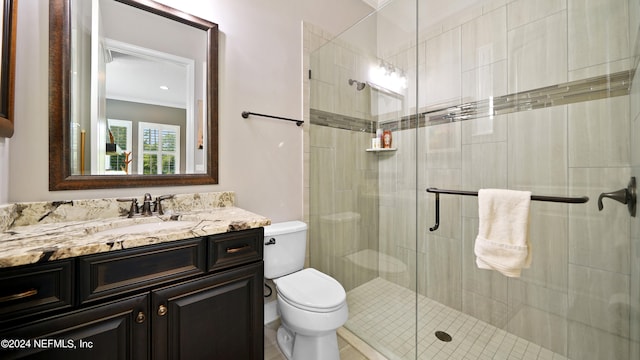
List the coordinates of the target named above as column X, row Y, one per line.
column 581, row 296
column 342, row 210
column 343, row 206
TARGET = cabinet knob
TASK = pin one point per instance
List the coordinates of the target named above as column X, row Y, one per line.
column 140, row 318
column 162, row 310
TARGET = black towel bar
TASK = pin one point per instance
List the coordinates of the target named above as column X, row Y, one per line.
column 245, row 114
column 558, row 199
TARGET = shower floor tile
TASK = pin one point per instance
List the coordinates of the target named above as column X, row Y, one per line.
column 382, row 314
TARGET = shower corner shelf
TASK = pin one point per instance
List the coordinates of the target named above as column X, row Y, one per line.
column 382, row 150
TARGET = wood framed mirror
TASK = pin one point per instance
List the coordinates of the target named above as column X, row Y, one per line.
column 85, row 154
column 9, row 16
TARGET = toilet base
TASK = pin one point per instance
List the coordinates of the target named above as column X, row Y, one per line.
column 301, row 347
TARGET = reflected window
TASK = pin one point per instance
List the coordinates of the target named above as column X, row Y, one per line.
column 159, row 148
column 119, row 145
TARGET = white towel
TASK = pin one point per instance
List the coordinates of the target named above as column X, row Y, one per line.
column 503, row 242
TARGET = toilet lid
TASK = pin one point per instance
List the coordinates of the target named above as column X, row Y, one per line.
column 309, row 289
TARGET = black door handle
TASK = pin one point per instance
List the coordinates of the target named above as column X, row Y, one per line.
column 625, row 196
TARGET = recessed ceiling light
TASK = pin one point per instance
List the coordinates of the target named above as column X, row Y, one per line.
column 164, row 87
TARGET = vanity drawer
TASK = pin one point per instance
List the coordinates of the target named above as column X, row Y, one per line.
column 33, row 289
column 107, row 274
column 235, row 248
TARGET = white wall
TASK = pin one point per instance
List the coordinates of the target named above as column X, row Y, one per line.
column 260, row 70
column 4, row 170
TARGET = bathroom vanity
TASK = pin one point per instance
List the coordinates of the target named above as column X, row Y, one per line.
column 128, row 291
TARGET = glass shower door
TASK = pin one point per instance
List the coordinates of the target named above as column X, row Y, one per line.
column 634, row 118
column 362, row 196
column 530, row 95
column 524, row 95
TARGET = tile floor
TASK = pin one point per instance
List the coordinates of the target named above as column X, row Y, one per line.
column 382, row 314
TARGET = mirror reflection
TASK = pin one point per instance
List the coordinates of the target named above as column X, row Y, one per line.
column 138, row 92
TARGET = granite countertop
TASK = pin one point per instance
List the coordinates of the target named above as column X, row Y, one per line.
column 39, row 232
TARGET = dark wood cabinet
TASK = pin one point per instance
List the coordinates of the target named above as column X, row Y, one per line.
column 103, row 275
column 30, row 290
column 166, row 301
column 234, row 248
column 112, row 331
column 213, row 317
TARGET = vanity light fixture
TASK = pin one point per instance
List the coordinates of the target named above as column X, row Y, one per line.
column 387, row 76
column 164, row 87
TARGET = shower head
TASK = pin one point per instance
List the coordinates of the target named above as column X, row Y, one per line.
column 359, row 85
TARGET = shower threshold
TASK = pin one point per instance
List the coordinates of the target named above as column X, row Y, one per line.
column 381, row 314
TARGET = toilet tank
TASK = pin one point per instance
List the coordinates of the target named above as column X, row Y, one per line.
column 284, row 248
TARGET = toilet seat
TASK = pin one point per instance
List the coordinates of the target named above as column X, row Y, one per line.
column 311, row 290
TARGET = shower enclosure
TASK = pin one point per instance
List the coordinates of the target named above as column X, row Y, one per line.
column 517, row 94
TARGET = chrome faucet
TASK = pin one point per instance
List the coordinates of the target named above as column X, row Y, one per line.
column 146, row 205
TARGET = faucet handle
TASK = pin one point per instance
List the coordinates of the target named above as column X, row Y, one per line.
column 158, row 203
column 134, row 209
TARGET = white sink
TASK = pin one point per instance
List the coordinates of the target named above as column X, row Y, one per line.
column 152, row 227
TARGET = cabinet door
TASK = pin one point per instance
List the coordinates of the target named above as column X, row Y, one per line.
column 117, row 330
column 219, row 316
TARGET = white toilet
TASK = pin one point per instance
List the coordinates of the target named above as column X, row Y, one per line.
column 312, row 305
